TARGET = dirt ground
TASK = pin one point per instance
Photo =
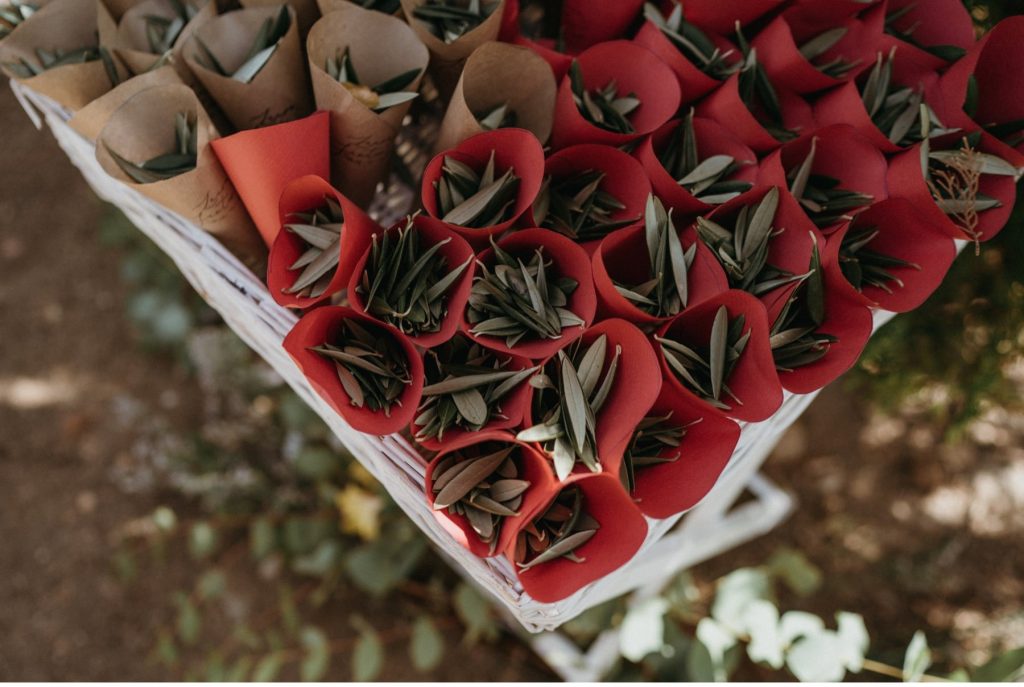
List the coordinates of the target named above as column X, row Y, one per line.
column 908, row 532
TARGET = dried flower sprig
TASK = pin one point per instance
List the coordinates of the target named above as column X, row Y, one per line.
column 485, row 489
column 406, row 283
column 652, row 439
column 163, row 32
column 571, row 391
column 475, row 200
column 949, row 53
column 693, row 43
column 466, row 384
column 709, row 180
column 449, row 20
column 665, row 292
column 13, row 13
column 168, row 165
column 605, row 108
column 838, row 67
column 894, row 109
column 378, row 98
column 372, row 367
column 824, row 201
column 758, row 93
column 795, row 340
column 518, row 300
column 557, row 533
column 706, row 371
column 863, row 267
column 500, row 117
column 576, row 206
column 320, row 230
column 264, row 44
column 743, row 250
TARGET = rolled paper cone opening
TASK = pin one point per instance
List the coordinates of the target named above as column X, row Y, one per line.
column 60, row 25
column 303, row 195
column 1000, row 74
column 721, row 16
column 532, row 468
column 456, row 253
column 622, row 529
column 261, row 163
column 567, row 260
column 586, row 23
column 500, row 75
column 936, row 23
column 754, row 380
column 381, row 47
column 322, row 325
column 278, row 93
column 666, row 489
column 307, row 12
column 89, row 121
column 694, row 84
column 132, row 43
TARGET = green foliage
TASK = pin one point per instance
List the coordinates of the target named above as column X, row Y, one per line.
column 426, row 648
column 918, row 658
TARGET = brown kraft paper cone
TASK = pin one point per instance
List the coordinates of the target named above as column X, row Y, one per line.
column 89, row 121
column 447, row 59
column 381, row 47
column 142, row 128
column 306, row 11
column 65, row 25
column 278, row 93
column 499, row 74
column 132, row 45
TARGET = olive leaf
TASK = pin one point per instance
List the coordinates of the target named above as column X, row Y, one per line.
column 706, row 370
column 758, row 94
column 371, row 366
column 949, row 53
column 170, row 164
column 263, row 46
column 577, row 206
column 465, row 385
column 795, row 340
column 694, row 44
column 863, row 267
column 570, row 392
column 406, row 283
column 813, row 49
column 605, row 108
column 474, row 200
column 894, row 109
column 13, row 14
column 652, row 443
column 378, row 98
column 517, row 300
column 320, row 231
column 449, row 20
column 557, row 533
column 821, row 197
column 499, row 117
column 51, row 59
column 665, row 291
column 709, row 180
column 482, row 483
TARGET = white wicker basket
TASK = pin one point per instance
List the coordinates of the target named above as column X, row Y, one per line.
column 245, row 304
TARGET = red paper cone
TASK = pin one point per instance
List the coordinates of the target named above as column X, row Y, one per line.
column 302, row 195
column 1000, row 75
column 533, row 468
column 726, row 107
column 753, row 380
column 514, row 407
column 513, row 148
column 456, row 252
column 906, row 180
column 586, row 23
column 903, row 234
column 721, row 16
column 693, row 83
column 636, row 387
column 321, row 325
column 807, row 16
column 624, row 177
column 841, row 153
column 622, row 257
column 936, row 23
column 622, row 531
column 569, row 260
column 667, row 489
column 635, row 70
column 261, row 162
column 847, row 318
column 559, row 61
column 712, row 139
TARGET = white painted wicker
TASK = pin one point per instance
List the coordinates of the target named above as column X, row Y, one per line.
column 242, row 299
